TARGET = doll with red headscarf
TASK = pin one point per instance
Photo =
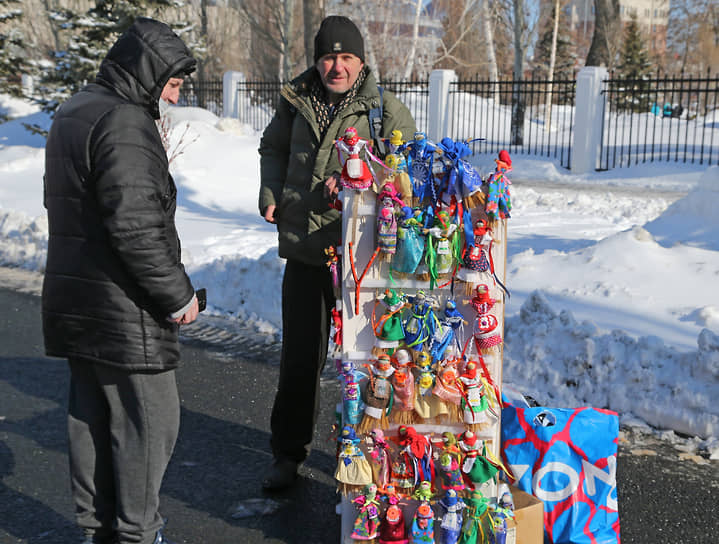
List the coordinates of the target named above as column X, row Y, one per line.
column 356, row 172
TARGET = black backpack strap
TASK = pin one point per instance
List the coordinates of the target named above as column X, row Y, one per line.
column 375, row 125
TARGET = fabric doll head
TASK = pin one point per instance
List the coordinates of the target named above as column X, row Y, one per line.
column 504, row 162
column 450, row 498
column 402, row 358
column 395, row 138
column 394, row 514
column 350, row 136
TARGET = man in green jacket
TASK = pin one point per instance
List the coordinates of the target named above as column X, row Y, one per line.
column 299, row 179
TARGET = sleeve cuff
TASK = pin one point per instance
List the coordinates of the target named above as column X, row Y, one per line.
column 182, row 311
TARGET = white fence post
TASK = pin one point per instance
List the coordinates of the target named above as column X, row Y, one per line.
column 588, row 119
column 438, row 116
column 230, row 96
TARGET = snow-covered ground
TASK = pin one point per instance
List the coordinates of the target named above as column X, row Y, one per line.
column 614, row 275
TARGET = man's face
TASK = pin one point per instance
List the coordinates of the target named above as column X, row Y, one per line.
column 339, row 71
column 171, row 90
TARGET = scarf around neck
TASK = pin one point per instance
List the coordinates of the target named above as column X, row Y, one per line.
column 325, row 112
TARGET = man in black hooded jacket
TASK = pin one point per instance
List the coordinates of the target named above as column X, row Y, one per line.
column 115, row 289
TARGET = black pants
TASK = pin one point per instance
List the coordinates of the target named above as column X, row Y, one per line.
column 307, row 302
column 122, row 429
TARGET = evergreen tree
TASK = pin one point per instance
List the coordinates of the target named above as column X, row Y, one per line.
column 12, row 58
column 91, row 34
column 635, row 67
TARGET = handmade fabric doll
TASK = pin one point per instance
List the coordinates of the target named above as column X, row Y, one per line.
column 378, row 395
column 477, row 256
column 447, row 390
column 499, row 202
column 450, row 473
column 442, row 248
column 474, row 401
column 388, row 329
column 392, row 528
column 419, row 449
column 477, row 528
column 380, row 457
column 420, row 159
column 333, row 264
column 485, row 332
column 351, row 403
column 476, row 467
column 353, row 471
column 426, row 406
column 410, row 242
column 356, row 172
column 389, row 202
column 366, row 525
column 448, row 333
column 503, row 511
column 451, row 523
column 336, row 333
column 423, row 525
column 403, row 383
column 420, row 324
column 423, row 492
column 463, row 181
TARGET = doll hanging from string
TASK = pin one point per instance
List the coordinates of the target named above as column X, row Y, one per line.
column 448, row 333
column 450, row 473
column 420, row 159
column 396, row 161
column 403, row 383
column 446, row 388
column 356, row 173
column 351, row 402
column 474, row 399
column 389, row 203
column 378, row 395
column 463, row 180
column 410, row 242
column 485, row 330
column 353, row 470
column 366, row 525
column 419, row 448
column 477, row 259
column 499, row 202
column 421, row 322
column 442, row 249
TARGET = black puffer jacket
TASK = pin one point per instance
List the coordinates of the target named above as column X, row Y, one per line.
column 114, row 271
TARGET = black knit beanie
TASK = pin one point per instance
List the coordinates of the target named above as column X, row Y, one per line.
column 338, row 34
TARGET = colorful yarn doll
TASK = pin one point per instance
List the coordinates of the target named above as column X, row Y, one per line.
column 410, row 242
column 476, row 467
column 392, row 529
column 477, row 528
column 463, row 180
column 420, row 159
column 486, row 335
column 388, row 329
column 448, row 332
column 403, row 473
column 474, row 400
column 426, row 406
column 422, row 531
column 378, row 395
column 447, row 390
column 450, row 473
column 403, row 383
column 366, row 525
column 499, row 202
column 353, row 470
column 356, row 172
column 451, row 521
column 477, row 255
column 389, row 202
column 419, row 326
column 442, row 249
column 351, row 402
column 450, row 445
column 419, row 450
column 380, row 457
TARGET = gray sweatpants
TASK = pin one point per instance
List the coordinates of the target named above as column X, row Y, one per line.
column 122, row 429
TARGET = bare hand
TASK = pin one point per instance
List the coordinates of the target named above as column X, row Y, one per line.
column 270, row 213
column 332, row 186
column 190, row 315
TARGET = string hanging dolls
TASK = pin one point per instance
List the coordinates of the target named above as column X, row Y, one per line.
column 420, row 159
column 499, row 202
column 356, row 172
column 410, row 242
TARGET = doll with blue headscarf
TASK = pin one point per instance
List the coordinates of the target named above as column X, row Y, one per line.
column 420, row 160
column 461, row 179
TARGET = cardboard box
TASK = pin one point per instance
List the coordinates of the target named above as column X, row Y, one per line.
column 527, row 527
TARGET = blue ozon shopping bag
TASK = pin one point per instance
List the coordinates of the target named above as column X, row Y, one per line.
column 568, row 459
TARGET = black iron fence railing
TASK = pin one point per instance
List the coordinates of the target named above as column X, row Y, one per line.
column 669, row 118
column 523, row 116
column 203, row 93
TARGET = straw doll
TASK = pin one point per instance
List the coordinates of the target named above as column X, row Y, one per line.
column 380, row 457
column 353, row 470
column 388, row 329
column 378, row 395
column 403, row 383
column 389, row 203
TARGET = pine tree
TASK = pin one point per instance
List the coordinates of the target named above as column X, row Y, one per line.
column 635, row 67
column 12, row 58
column 91, row 34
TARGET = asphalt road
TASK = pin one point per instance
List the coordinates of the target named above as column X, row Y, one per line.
column 212, row 493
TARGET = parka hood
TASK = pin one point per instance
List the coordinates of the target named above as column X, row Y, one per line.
column 142, row 61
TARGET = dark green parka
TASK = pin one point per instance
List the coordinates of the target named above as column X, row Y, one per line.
column 294, row 163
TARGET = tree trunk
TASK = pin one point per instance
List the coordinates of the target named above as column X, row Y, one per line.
column 287, row 21
column 606, row 20
column 312, row 14
column 517, row 129
column 550, row 74
column 409, row 66
column 491, row 55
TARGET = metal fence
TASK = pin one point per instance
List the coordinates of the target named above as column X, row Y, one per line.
column 257, row 100
column 514, row 115
column 203, row 93
column 670, row 118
